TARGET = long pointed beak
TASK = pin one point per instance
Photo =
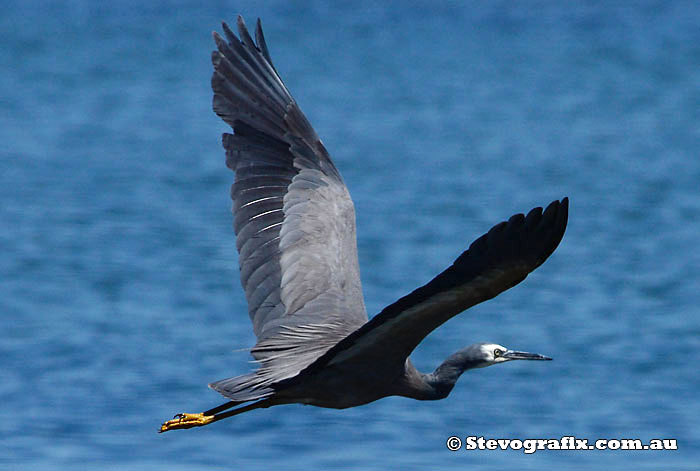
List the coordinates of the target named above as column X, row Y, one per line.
column 515, row 355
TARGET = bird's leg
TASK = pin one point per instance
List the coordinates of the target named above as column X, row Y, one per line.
column 185, row 420
column 182, row 421
column 222, row 407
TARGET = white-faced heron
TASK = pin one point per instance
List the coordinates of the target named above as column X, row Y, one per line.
column 295, row 228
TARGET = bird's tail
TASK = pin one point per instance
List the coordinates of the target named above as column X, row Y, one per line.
column 242, row 388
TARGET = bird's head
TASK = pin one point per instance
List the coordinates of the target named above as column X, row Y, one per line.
column 479, row 355
column 485, row 354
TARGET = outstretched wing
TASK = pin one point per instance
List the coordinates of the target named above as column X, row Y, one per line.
column 294, row 219
column 496, row 261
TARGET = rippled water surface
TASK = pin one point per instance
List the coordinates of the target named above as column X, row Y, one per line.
column 119, row 291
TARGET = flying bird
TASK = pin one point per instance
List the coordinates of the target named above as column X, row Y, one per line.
column 295, row 234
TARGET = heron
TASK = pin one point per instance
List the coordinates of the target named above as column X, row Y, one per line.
column 295, row 233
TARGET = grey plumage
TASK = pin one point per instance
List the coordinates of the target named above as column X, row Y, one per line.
column 294, row 220
column 295, row 228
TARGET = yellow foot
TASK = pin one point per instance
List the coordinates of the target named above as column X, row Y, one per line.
column 186, row 421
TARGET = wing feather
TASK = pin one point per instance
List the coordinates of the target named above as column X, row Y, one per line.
column 293, row 216
column 494, row 262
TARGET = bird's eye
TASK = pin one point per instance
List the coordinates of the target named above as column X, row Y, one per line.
column 498, row 352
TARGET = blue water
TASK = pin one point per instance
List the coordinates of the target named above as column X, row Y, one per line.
column 119, row 291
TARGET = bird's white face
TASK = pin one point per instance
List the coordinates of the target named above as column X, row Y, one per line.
column 493, row 353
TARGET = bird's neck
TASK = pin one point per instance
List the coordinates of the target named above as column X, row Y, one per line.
column 443, row 379
column 439, row 383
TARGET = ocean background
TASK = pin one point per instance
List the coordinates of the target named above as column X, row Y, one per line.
column 119, row 290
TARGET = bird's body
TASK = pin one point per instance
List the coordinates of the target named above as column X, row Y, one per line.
column 340, row 388
column 295, row 227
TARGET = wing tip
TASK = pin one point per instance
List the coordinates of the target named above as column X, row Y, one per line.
column 244, row 37
column 552, row 228
column 534, row 236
